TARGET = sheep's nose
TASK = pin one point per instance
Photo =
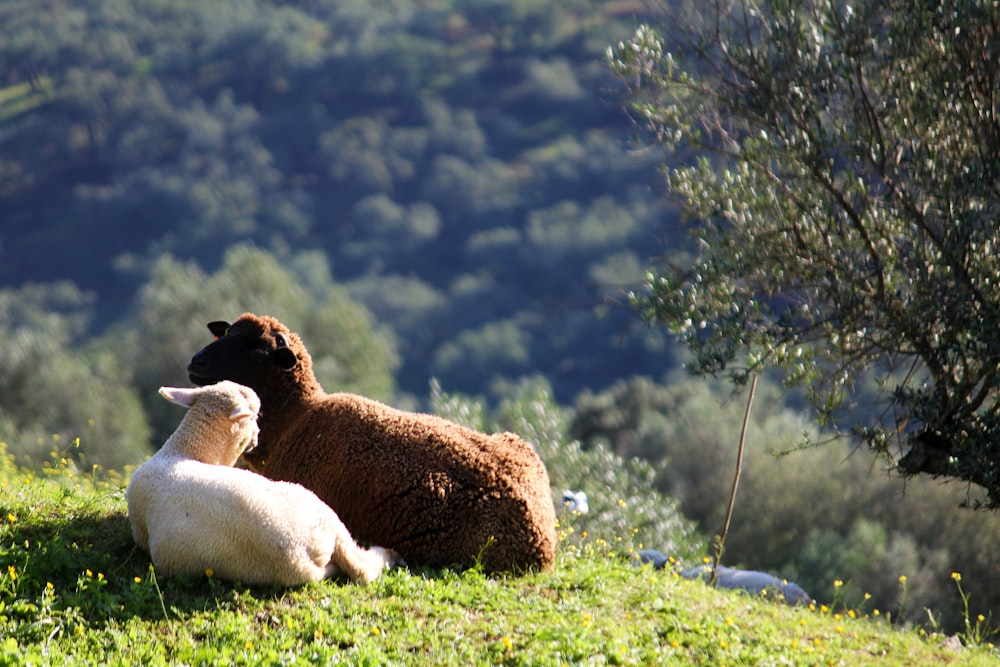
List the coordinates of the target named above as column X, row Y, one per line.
column 197, row 362
column 198, row 371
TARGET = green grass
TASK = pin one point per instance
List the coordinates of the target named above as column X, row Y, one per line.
column 74, row 590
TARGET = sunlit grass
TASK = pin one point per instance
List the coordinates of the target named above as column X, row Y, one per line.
column 74, row 590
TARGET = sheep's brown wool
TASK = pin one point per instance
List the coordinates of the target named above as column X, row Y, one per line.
column 438, row 493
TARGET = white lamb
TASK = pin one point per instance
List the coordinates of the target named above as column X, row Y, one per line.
column 193, row 512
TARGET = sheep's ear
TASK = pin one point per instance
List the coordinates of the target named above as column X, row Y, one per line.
column 284, row 358
column 218, row 328
column 283, row 355
column 240, row 412
column 179, row 395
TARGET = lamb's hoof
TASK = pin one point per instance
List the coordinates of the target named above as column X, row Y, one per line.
column 390, row 557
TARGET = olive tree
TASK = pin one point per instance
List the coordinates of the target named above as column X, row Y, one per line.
column 838, row 166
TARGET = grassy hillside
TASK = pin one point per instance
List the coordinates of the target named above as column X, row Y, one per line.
column 74, row 591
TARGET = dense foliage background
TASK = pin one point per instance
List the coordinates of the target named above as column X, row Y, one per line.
column 462, row 167
column 422, row 189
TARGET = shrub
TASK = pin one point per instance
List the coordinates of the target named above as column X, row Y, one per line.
column 812, row 514
column 626, row 511
column 55, row 394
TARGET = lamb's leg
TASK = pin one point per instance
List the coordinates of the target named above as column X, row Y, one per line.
column 362, row 565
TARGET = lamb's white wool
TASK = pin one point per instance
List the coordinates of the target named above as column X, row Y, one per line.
column 194, row 513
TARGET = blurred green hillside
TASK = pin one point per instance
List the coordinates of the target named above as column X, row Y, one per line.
column 464, row 168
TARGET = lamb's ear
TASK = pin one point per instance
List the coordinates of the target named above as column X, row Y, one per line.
column 179, row 395
column 218, row 328
column 283, row 355
column 240, row 412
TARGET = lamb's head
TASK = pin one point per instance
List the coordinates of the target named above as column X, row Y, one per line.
column 259, row 352
column 221, row 423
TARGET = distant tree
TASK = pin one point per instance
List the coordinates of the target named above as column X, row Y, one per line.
column 418, row 313
column 838, row 164
column 868, row 560
column 688, row 430
column 496, row 350
column 453, row 131
column 384, row 233
column 553, row 83
column 615, row 273
column 356, row 156
column 496, row 250
column 57, row 397
column 350, row 352
column 472, row 191
column 623, row 418
column 514, row 25
column 569, row 230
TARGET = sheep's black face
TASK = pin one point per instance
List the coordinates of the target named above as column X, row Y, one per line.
column 240, row 354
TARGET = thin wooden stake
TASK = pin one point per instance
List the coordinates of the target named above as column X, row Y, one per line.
column 720, row 544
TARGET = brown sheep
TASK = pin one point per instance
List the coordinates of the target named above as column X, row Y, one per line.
column 438, row 493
